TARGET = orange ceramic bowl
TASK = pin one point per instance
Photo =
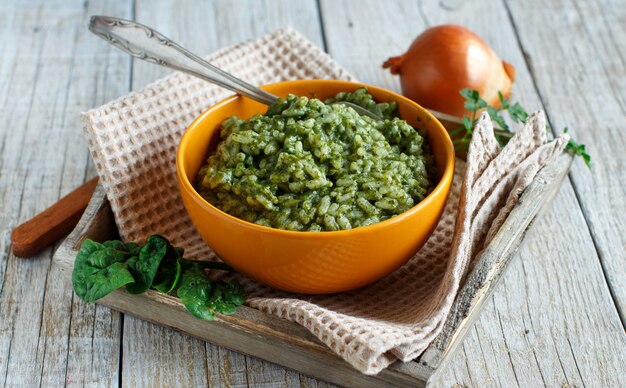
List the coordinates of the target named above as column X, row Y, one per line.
column 311, row 262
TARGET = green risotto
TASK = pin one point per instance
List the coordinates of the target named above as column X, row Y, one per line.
column 308, row 166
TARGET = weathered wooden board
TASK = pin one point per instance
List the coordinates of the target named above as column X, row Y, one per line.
column 253, row 332
column 586, row 90
column 525, row 335
column 50, row 71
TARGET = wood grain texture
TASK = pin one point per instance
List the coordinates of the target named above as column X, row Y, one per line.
column 204, row 27
column 537, row 346
column 585, row 90
column 518, row 339
column 49, row 73
column 55, row 222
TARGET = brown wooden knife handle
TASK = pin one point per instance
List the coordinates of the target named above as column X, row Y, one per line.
column 37, row 234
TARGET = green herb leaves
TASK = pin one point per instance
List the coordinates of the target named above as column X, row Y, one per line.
column 517, row 114
column 203, row 298
column 169, row 271
column 144, row 266
column 101, row 268
column 473, row 102
column 578, row 150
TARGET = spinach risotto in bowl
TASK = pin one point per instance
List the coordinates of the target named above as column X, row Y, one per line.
column 308, row 166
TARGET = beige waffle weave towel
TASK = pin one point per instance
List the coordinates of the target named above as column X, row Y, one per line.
column 133, row 142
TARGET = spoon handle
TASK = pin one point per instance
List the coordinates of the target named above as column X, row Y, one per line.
column 145, row 43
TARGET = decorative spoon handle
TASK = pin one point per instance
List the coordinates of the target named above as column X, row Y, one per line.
column 145, row 43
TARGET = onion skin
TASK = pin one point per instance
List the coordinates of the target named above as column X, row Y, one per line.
column 445, row 59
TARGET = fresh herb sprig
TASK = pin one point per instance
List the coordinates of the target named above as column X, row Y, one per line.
column 578, row 149
column 101, row 268
column 474, row 104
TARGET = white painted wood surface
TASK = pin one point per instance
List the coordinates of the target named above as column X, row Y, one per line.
column 49, row 71
column 555, row 319
column 589, row 96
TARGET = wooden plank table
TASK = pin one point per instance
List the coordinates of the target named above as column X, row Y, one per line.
column 558, row 317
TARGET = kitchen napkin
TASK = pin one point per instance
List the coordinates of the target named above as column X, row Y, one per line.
column 133, row 142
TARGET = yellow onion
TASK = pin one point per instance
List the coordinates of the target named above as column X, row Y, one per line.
column 445, row 59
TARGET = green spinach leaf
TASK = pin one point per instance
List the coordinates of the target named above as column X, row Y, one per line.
column 144, row 267
column 100, row 269
column 168, row 275
column 203, row 298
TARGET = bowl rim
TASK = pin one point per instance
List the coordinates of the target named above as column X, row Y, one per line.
column 445, row 180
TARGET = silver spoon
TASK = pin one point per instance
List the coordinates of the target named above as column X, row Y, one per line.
column 145, row 43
